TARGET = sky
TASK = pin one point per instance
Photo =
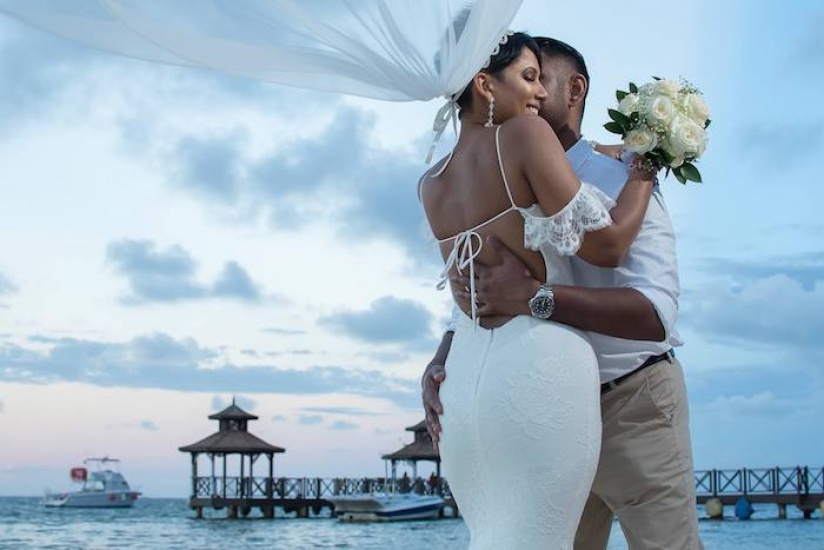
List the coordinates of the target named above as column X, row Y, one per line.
column 171, row 239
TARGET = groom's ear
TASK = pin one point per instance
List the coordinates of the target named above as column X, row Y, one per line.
column 577, row 87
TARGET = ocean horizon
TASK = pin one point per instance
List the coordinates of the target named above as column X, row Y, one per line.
column 169, row 523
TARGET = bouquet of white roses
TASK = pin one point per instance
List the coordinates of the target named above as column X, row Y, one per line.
column 666, row 123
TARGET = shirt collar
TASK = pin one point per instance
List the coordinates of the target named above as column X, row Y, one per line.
column 579, row 154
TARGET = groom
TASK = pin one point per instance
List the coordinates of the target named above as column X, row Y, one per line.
column 645, row 472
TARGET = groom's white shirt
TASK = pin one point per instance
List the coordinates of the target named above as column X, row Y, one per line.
column 649, row 267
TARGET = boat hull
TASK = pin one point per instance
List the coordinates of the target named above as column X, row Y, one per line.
column 371, row 508
column 92, row 499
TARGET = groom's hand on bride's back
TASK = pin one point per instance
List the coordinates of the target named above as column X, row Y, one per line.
column 503, row 288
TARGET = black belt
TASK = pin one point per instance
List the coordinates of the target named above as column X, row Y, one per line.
column 612, row 384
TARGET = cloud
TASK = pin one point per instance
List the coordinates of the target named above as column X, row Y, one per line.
column 766, row 143
column 389, row 320
column 1, row 406
column 210, row 165
column 6, row 285
column 284, row 331
column 40, row 67
column 340, row 411
column 235, row 282
column 246, row 403
column 169, row 275
column 806, row 269
column 148, row 425
column 764, row 403
column 162, row 362
column 343, row 425
column 338, row 175
column 775, row 311
column 812, row 44
column 310, row 419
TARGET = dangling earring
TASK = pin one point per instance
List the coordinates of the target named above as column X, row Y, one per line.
column 491, row 113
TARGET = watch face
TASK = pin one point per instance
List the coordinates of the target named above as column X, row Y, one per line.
column 542, row 306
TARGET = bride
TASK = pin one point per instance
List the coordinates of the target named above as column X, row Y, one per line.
column 521, row 425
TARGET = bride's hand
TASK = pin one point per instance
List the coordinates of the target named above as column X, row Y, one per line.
column 641, row 170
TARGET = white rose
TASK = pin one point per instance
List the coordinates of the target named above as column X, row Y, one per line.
column 668, row 88
column 660, row 110
column 686, row 138
column 629, row 104
column 640, row 141
column 696, row 108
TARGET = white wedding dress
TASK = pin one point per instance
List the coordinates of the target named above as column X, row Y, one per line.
column 521, row 424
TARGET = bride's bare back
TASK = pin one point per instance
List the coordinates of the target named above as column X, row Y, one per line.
column 471, row 191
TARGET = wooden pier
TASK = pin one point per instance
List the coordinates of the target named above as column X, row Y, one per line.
column 800, row 486
column 305, row 497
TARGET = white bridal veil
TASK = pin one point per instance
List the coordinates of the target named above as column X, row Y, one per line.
column 396, row 50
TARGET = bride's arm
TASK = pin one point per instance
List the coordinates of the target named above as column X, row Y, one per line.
column 554, row 185
column 607, row 247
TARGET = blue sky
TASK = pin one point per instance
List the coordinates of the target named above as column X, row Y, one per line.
column 170, row 238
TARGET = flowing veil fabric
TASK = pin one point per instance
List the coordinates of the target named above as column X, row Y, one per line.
column 398, row 50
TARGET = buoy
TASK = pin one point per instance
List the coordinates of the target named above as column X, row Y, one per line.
column 714, row 509
column 743, row 508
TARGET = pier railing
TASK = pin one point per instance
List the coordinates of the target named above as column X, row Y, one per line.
column 794, row 481
column 793, row 484
column 303, row 488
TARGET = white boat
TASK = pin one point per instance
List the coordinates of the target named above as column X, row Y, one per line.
column 386, row 507
column 103, row 486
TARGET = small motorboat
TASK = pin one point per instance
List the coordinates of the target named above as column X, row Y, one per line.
column 386, row 507
column 103, row 486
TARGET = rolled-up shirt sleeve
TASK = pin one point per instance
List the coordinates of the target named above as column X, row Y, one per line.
column 652, row 267
column 453, row 320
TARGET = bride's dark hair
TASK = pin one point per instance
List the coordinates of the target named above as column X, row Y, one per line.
column 508, row 53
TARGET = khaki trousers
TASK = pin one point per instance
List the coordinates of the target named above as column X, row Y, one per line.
column 645, row 471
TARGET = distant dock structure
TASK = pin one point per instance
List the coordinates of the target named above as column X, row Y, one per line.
column 800, row 486
column 223, row 477
column 236, row 493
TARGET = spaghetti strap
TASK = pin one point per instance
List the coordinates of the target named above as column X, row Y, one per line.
column 501, row 167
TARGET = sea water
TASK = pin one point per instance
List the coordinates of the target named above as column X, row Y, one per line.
column 168, row 523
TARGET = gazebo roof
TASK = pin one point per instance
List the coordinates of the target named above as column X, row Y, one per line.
column 232, row 412
column 232, row 442
column 419, row 427
column 420, row 449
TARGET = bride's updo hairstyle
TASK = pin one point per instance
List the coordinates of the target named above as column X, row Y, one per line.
column 507, row 54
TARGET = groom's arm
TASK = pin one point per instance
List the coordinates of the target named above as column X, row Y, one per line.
column 506, row 287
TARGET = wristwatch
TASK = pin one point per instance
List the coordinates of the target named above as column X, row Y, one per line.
column 542, row 305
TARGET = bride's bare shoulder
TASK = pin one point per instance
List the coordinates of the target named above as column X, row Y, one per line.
column 525, row 126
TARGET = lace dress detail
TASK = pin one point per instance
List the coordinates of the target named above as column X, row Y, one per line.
column 564, row 231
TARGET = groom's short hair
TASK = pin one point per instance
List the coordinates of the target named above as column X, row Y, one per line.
column 555, row 48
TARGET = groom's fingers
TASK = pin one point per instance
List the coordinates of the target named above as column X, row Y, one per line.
column 433, row 377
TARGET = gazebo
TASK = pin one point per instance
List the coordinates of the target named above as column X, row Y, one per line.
column 232, row 438
column 420, row 449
